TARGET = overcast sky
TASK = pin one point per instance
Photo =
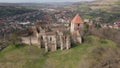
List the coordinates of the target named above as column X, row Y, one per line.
column 40, row 1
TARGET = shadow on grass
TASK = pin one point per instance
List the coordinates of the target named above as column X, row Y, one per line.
column 19, row 45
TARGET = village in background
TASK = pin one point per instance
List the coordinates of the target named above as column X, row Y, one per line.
column 92, row 28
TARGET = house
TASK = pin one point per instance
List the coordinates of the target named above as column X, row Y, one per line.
column 117, row 24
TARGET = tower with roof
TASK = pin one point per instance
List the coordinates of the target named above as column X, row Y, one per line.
column 75, row 29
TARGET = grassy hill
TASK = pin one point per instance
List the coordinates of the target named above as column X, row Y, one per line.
column 83, row 55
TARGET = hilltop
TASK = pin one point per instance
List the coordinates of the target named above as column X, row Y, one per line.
column 94, row 52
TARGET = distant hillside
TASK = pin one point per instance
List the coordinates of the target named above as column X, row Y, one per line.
column 104, row 4
column 46, row 4
column 107, row 10
column 105, row 1
column 6, row 11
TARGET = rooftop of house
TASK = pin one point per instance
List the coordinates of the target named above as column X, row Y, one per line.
column 117, row 21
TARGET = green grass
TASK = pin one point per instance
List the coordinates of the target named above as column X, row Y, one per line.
column 22, row 57
column 33, row 57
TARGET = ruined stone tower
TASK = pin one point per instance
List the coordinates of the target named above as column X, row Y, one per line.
column 75, row 29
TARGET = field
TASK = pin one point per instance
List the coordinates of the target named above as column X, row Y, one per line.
column 81, row 55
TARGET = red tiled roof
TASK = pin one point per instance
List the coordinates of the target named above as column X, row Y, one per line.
column 77, row 19
column 118, row 20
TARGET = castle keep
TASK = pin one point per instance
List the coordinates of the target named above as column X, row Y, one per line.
column 52, row 36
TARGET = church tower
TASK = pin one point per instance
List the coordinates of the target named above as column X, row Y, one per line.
column 75, row 28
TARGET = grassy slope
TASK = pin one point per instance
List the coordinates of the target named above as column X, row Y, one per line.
column 33, row 57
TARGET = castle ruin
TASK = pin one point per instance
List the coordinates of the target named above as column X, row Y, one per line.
column 52, row 36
